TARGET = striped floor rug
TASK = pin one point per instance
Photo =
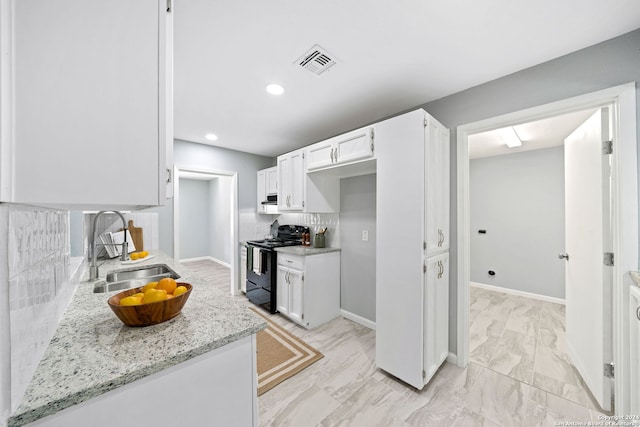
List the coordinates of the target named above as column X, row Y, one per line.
column 280, row 355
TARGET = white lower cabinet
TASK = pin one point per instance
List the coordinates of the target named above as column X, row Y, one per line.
column 436, row 314
column 309, row 287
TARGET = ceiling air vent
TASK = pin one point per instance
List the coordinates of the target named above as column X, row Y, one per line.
column 317, row 60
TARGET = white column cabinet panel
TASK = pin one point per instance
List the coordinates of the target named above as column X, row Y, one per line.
column 411, row 321
column 91, row 118
column 295, row 279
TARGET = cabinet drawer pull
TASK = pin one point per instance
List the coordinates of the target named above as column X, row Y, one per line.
column 638, row 312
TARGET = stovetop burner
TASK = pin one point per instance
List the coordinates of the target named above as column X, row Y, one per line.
column 288, row 235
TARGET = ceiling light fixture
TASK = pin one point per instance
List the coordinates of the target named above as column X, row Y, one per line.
column 275, row 89
column 211, row 137
column 510, row 137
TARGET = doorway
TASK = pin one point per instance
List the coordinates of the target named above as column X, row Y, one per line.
column 624, row 213
column 205, row 219
column 517, row 318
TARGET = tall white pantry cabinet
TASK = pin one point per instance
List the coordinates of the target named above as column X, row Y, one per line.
column 412, row 247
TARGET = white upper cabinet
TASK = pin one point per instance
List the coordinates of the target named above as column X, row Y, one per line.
column 271, row 178
column 88, row 85
column 436, row 187
column 291, row 177
column 340, row 150
column 301, row 192
column 267, row 184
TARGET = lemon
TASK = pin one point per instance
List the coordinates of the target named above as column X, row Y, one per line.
column 154, row 295
column 168, row 284
column 143, row 254
column 138, row 295
column 130, row 300
column 150, row 285
column 179, row 290
column 134, row 256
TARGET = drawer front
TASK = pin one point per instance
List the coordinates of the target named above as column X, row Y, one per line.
column 291, row 261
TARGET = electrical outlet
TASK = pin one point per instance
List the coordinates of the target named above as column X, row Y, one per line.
column 365, row 235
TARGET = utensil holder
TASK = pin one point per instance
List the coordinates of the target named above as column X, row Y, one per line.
column 318, row 241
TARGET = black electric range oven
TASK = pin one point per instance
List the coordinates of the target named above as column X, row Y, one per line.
column 262, row 265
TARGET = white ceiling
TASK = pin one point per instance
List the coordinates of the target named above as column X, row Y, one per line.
column 392, row 56
column 536, row 135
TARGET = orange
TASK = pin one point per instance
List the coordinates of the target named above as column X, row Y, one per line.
column 168, row 284
column 130, row 300
column 154, row 295
column 179, row 290
column 150, row 285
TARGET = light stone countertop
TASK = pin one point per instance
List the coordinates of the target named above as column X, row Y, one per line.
column 635, row 276
column 93, row 352
column 305, row 250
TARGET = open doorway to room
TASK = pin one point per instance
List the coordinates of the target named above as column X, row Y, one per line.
column 206, row 224
column 624, row 236
column 517, row 281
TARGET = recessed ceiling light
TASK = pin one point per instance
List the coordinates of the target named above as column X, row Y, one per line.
column 211, row 137
column 275, row 89
column 510, row 137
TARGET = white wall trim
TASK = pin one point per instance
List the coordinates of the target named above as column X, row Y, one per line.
column 234, row 285
column 358, row 319
column 517, row 292
column 624, row 216
column 207, row 258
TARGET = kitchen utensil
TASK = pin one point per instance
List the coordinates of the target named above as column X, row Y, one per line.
column 136, row 236
column 151, row 313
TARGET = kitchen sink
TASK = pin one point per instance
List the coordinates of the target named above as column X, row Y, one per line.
column 134, row 277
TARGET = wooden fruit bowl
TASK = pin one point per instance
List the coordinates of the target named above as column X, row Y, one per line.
column 151, row 313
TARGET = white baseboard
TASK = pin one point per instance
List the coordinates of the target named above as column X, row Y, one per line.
column 358, row 319
column 520, row 293
column 209, row 258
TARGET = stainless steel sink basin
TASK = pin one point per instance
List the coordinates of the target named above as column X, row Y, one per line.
column 133, row 277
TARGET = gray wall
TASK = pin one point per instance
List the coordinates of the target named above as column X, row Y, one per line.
column 519, row 200
column 358, row 258
column 220, row 236
column 195, row 218
column 611, row 63
column 205, row 156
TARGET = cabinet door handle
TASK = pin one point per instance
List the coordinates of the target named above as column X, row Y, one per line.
column 331, row 155
column 638, row 312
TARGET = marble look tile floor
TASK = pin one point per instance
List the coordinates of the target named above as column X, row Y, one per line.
column 519, row 374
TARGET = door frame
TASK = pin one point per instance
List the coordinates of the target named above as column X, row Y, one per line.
column 624, row 199
column 181, row 170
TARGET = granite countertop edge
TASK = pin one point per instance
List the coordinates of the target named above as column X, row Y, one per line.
column 35, row 406
column 305, row 250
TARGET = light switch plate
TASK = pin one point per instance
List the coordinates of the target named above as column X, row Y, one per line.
column 365, row 235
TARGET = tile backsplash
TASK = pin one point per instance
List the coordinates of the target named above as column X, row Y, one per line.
column 253, row 226
column 40, row 285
